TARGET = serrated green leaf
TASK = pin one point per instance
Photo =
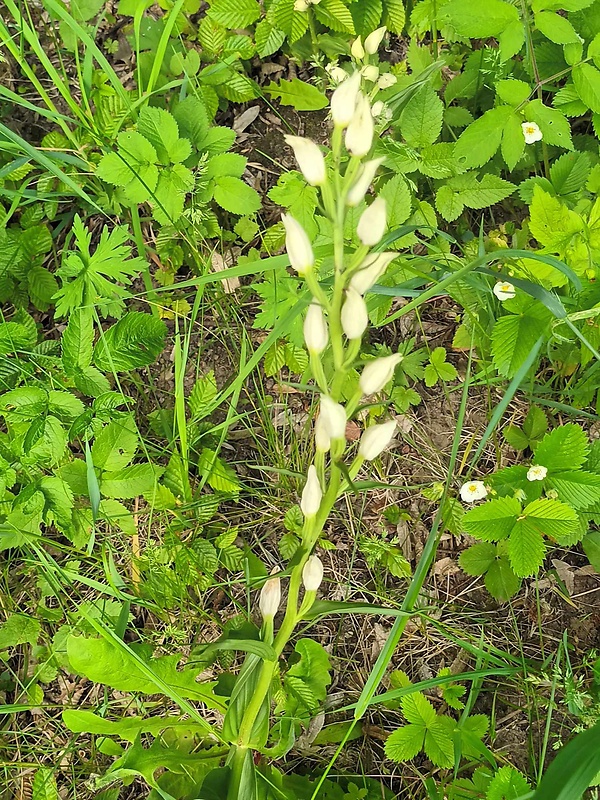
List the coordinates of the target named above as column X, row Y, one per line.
column 480, row 21
column 116, row 444
column 235, row 196
column 477, row 559
column 555, row 127
column 579, row 489
column 336, row 15
column 234, row 13
column 134, row 341
column 500, row 580
column 587, row 82
column 394, row 15
column 421, row 119
column 564, row 448
column 479, row 142
column 19, row 629
column 526, row 549
column 366, row 15
column 404, row 743
column 513, row 338
column 44, row 785
column 129, row 482
column 302, row 96
column 268, row 38
column 493, row 520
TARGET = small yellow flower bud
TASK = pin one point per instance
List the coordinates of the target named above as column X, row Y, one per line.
column 357, row 49
column 386, row 80
column 370, row 72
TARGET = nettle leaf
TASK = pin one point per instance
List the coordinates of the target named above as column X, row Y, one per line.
column 480, row 21
column 133, row 166
column 116, row 444
column 493, row 520
column 564, row 448
column 134, row 341
column 235, row 196
column 421, row 119
column 101, row 661
column 479, row 142
column 234, row 13
column 302, row 96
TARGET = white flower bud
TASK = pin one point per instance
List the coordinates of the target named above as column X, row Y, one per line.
column 312, row 574
column 310, row 502
column 357, row 49
column 270, row 597
column 386, row 80
column 472, row 491
column 365, row 178
column 322, row 439
column 359, row 135
column 373, row 268
column 310, row 159
column 334, row 418
column 297, row 245
column 377, row 373
column 370, row 72
column 316, row 334
column 373, row 41
column 343, row 100
column 377, row 108
column 301, row 6
column 354, row 315
column 372, row 223
column 375, row 439
column 336, row 73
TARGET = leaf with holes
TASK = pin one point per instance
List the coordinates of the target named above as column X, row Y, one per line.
column 134, row 341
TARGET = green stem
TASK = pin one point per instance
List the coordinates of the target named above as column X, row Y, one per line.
column 141, row 248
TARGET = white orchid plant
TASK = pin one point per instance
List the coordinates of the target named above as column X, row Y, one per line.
column 335, row 322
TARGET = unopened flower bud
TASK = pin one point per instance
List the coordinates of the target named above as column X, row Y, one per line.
column 270, row 597
column 377, row 108
column 359, row 135
column 386, row 80
column 373, row 268
column 354, row 315
column 375, row 439
column 310, row 159
column 377, row 373
column 334, row 418
column 312, row 574
column 310, row 502
column 336, row 73
column 373, row 40
column 316, row 334
column 301, row 6
column 372, row 223
column 370, row 72
column 297, row 245
column 357, row 49
column 343, row 101
column 365, row 178
column 322, row 438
